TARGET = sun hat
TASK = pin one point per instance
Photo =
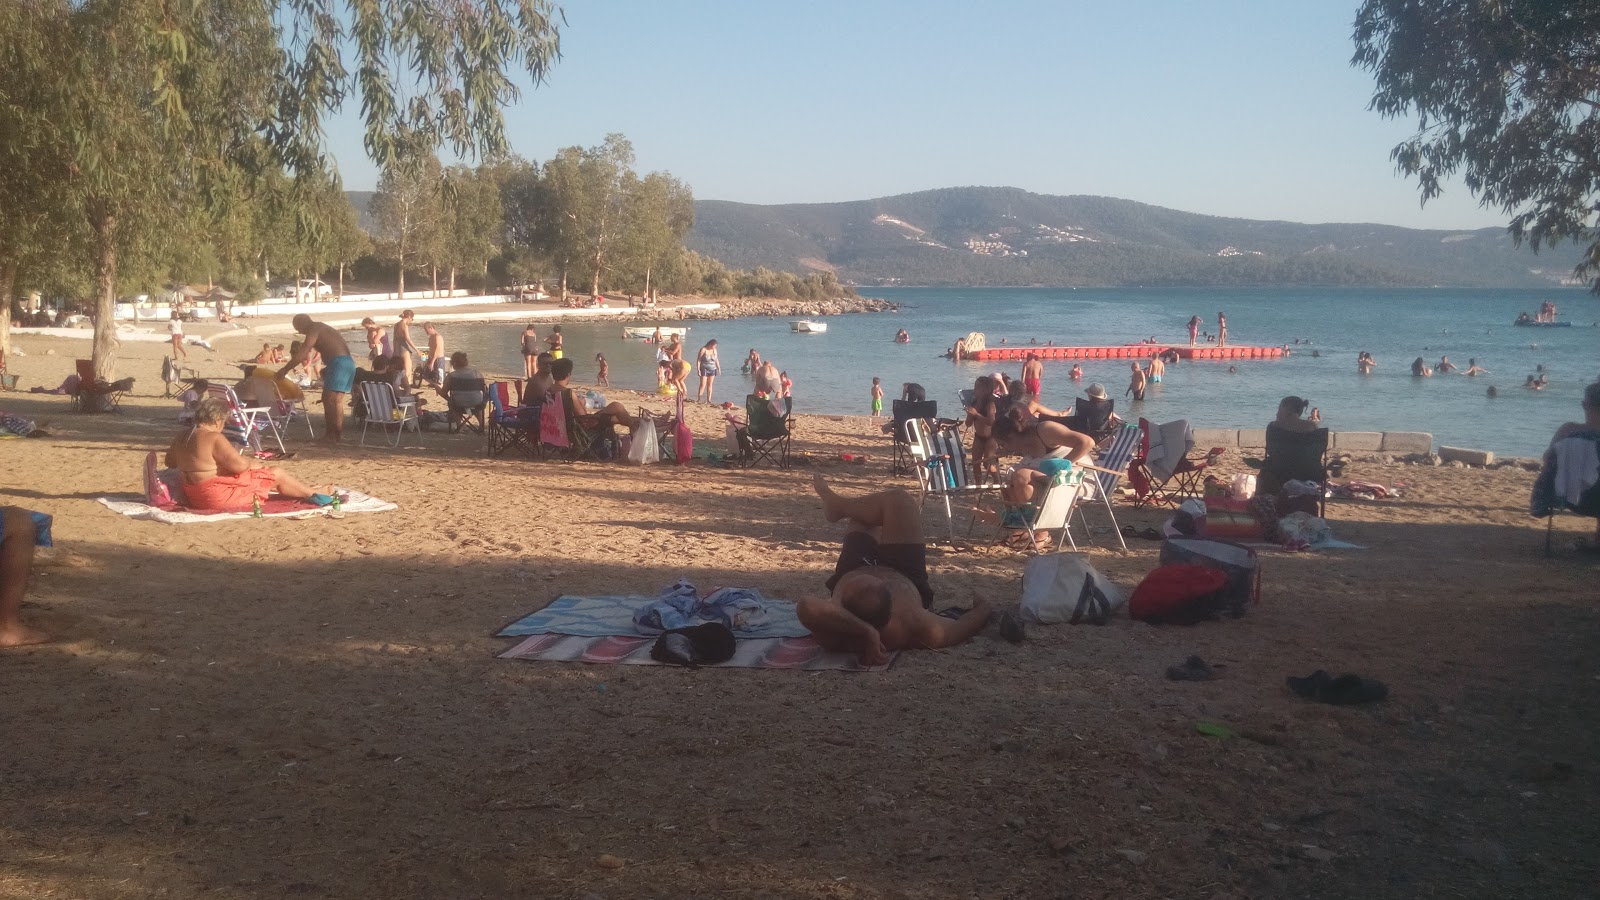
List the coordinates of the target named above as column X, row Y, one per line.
column 1096, row 391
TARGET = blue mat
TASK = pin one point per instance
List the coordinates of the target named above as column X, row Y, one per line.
column 613, row 615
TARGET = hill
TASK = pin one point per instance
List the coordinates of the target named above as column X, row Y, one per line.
column 1007, row 236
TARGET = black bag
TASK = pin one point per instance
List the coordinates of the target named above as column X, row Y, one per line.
column 696, row 645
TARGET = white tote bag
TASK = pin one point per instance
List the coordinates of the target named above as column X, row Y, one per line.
column 1064, row 587
column 643, row 450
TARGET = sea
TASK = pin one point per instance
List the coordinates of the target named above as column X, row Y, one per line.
column 1324, row 327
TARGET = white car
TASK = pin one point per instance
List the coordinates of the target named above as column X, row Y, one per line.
column 307, row 291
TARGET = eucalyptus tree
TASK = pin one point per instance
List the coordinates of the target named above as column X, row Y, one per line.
column 474, row 220
column 145, row 111
column 658, row 213
column 408, row 215
column 1506, row 93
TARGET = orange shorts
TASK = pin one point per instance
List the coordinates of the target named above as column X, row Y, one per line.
column 231, row 493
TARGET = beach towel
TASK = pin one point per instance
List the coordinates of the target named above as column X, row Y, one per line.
column 276, row 508
column 634, row 650
column 606, row 616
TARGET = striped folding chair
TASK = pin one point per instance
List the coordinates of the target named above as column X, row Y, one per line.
column 1114, row 458
column 940, row 462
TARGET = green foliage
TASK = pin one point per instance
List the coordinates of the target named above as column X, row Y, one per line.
column 408, row 215
column 1507, row 95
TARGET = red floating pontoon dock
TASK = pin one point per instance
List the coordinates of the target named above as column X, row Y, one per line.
column 1018, row 353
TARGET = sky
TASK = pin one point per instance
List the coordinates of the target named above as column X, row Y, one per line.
column 1246, row 108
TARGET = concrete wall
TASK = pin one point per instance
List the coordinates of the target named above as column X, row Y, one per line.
column 1340, row 441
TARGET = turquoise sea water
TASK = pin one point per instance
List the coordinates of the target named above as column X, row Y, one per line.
column 833, row 372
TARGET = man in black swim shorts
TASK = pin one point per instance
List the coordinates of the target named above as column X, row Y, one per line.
column 879, row 589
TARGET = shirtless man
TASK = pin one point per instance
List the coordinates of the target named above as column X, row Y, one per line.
column 215, row 476
column 1033, row 375
column 1137, row 383
column 879, row 591
column 403, row 346
column 19, row 534
column 437, row 361
column 338, row 372
column 1156, row 369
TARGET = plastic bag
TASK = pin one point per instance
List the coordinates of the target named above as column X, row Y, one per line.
column 1243, row 487
column 1065, row 587
column 643, row 450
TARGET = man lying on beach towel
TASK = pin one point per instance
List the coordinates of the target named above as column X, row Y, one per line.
column 880, row 592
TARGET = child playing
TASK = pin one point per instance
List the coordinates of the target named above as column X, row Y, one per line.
column 605, row 369
column 877, row 397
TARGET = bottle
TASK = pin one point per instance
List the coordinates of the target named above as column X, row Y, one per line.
column 255, row 512
column 336, row 504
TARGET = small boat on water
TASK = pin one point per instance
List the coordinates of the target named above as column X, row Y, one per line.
column 807, row 326
column 1534, row 323
column 647, row 332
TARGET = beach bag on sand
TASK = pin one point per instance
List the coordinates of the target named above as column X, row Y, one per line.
column 1238, row 562
column 1178, row 594
column 1065, row 587
column 156, row 490
column 642, row 447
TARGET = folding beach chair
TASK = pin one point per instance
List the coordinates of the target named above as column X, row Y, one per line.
column 93, row 395
column 899, row 439
column 1094, row 418
column 509, row 426
column 1054, row 509
column 1569, row 481
column 465, row 407
column 1114, row 457
column 246, row 423
column 584, row 440
column 940, row 462
column 285, row 411
column 1162, row 472
column 1295, row 456
column 386, row 410
column 763, row 434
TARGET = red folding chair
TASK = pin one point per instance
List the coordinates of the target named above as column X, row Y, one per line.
column 1187, row 478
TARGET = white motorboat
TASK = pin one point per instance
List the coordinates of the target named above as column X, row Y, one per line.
column 646, row 332
column 807, row 326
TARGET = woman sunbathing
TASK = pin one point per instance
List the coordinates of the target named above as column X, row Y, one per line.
column 215, row 476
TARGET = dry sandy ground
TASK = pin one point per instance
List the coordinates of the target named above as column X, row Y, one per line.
column 275, row 708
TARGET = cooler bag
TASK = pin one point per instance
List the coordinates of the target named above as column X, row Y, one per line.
column 1237, row 561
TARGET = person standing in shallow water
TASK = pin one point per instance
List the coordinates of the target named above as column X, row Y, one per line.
column 1137, row 383
column 1222, row 330
column 530, row 351
column 710, row 368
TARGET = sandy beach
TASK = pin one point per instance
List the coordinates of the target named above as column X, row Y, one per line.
column 312, row 708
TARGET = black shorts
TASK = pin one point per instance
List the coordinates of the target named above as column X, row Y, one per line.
column 862, row 549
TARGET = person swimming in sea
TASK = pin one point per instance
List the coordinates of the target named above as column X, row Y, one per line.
column 1077, row 372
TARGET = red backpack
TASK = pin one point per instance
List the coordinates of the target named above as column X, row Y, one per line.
column 1179, row 593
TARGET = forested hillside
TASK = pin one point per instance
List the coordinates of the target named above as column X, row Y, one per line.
column 1007, row 236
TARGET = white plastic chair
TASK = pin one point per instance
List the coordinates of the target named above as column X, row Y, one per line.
column 252, row 420
column 1055, row 508
column 385, row 410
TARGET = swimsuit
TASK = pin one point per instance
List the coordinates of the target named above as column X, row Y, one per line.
column 708, row 367
column 862, row 549
column 339, row 374
column 1032, row 385
column 877, row 405
column 1155, row 379
column 231, row 493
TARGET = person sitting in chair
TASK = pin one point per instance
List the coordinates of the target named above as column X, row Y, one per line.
column 610, row 415
column 879, row 593
column 1035, row 442
column 464, row 391
column 1291, row 451
column 215, row 476
column 1571, row 471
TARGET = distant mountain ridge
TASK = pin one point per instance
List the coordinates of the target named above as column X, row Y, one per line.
column 995, row 236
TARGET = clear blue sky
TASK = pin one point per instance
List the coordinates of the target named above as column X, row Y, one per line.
column 1235, row 107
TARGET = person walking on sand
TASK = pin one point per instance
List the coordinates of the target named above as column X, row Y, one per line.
column 175, row 330
column 604, row 375
column 877, row 397
column 530, row 351
column 710, row 367
column 338, row 372
column 404, row 347
column 1194, row 330
column 1033, row 375
column 879, row 595
column 1137, row 383
column 555, row 340
column 1222, row 330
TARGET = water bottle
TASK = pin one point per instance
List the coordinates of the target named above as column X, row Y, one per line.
column 336, row 504
column 255, row 512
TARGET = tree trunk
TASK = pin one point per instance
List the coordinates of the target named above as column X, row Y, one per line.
column 105, row 277
column 647, row 282
column 401, row 293
column 8, row 280
column 435, row 270
column 341, row 281
column 452, row 281
column 563, row 283
column 594, row 287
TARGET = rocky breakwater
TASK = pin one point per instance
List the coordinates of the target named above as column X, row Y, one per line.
column 744, row 307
